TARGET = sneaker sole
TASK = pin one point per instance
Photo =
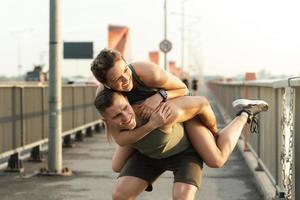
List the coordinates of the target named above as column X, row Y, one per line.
column 246, row 103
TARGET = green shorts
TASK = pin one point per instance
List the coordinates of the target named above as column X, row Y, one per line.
column 186, row 167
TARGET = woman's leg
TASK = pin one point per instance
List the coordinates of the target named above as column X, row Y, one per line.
column 215, row 152
column 120, row 157
column 187, row 107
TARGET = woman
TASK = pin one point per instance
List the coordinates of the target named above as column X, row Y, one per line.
column 144, row 83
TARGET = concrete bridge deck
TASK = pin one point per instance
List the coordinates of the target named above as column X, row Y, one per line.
column 93, row 178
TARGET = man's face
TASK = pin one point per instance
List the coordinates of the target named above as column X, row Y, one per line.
column 119, row 77
column 120, row 114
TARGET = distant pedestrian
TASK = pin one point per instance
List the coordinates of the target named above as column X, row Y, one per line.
column 195, row 86
column 186, row 82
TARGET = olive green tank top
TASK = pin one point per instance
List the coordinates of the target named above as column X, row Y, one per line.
column 140, row 92
column 158, row 144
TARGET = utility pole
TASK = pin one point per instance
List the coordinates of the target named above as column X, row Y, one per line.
column 165, row 33
column 182, row 33
column 17, row 35
column 55, row 126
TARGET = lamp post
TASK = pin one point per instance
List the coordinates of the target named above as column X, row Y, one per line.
column 182, row 33
column 17, row 35
column 165, row 32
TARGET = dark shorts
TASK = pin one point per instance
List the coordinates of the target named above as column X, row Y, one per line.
column 186, row 167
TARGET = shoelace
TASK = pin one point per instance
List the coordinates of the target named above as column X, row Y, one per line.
column 254, row 124
column 252, row 120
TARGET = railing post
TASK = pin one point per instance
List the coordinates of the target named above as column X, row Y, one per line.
column 68, row 143
column 14, row 118
column 36, row 154
column 15, row 163
column 79, row 136
column 287, row 148
column 22, row 117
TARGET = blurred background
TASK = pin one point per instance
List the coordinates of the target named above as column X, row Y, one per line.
column 211, row 38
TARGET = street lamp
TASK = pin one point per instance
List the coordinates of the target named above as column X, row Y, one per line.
column 165, row 32
column 17, row 35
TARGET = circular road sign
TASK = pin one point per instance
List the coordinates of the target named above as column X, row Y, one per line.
column 165, row 46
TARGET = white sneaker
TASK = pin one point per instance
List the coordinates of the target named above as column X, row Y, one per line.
column 253, row 106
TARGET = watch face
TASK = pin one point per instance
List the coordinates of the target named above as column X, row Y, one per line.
column 164, row 94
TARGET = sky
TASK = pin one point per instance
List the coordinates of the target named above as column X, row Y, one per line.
column 221, row 37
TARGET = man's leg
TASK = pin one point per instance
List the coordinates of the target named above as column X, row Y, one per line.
column 128, row 188
column 187, row 170
column 183, row 191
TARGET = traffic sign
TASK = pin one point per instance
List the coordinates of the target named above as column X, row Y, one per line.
column 165, row 46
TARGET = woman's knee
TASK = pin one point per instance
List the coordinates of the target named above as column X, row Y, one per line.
column 204, row 101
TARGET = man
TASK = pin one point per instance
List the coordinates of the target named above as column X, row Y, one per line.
column 141, row 170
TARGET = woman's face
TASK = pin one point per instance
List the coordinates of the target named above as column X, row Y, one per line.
column 119, row 77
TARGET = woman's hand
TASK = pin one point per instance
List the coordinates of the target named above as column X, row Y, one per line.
column 150, row 105
column 161, row 115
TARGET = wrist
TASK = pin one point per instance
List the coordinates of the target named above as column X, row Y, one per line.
column 163, row 93
column 151, row 126
column 159, row 97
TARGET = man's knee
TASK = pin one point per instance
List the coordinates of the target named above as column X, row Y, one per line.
column 128, row 187
column 183, row 191
column 117, row 195
column 121, row 194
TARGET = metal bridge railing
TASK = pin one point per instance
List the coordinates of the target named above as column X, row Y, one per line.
column 24, row 115
column 279, row 128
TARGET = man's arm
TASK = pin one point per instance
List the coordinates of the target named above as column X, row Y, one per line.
column 129, row 137
column 158, row 118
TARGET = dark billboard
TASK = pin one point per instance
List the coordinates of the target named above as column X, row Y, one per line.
column 78, row 50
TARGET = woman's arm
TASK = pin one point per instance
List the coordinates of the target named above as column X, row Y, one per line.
column 154, row 76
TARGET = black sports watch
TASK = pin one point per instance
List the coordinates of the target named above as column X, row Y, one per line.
column 163, row 93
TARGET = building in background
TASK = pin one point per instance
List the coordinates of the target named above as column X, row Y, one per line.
column 154, row 57
column 118, row 39
column 36, row 75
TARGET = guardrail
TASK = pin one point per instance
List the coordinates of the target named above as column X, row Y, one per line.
column 279, row 128
column 24, row 117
